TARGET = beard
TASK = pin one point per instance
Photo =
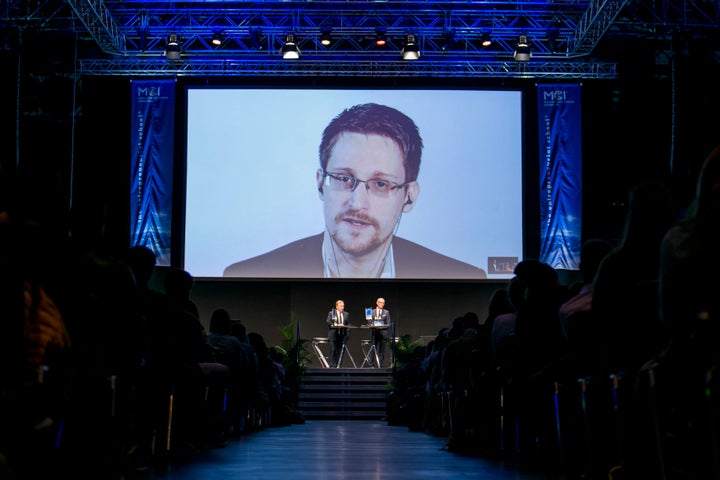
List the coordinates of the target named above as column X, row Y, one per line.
column 354, row 242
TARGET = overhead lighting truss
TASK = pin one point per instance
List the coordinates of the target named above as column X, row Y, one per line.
column 129, row 34
column 341, row 68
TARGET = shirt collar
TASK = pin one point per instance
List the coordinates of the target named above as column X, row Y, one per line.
column 388, row 270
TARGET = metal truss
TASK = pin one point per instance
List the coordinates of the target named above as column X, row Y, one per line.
column 699, row 19
column 595, row 21
column 454, row 26
column 130, row 35
column 344, row 68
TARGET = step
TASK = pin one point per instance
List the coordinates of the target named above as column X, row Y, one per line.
column 344, row 393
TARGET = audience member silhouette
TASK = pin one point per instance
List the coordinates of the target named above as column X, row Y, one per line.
column 625, row 292
column 690, row 310
column 141, row 260
column 625, row 310
column 183, row 364
column 151, row 307
column 34, row 346
column 575, row 314
column 502, row 333
column 435, row 395
column 498, row 304
column 532, row 362
column 226, row 346
column 457, row 329
column 239, row 331
column 530, row 339
column 229, row 351
column 463, row 373
column 178, row 285
column 537, row 328
column 108, row 352
column 276, row 410
column 270, row 385
column 584, row 367
column 250, row 394
column 689, row 266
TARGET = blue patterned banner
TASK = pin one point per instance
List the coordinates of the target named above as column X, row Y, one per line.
column 151, row 150
column 560, row 175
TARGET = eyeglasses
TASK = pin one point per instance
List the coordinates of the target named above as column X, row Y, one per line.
column 347, row 183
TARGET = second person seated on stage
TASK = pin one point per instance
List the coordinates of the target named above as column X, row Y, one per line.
column 338, row 319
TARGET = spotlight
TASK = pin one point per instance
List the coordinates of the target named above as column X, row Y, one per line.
column 380, row 38
column 173, row 50
column 522, row 50
column 410, row 50
column 217, row 39
column 325, row 38
column 290, row 50
column 486, row 40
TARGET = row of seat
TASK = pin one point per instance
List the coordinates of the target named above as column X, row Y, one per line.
column 637, row 423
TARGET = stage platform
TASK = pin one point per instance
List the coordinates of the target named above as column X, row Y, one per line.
column 345, row 393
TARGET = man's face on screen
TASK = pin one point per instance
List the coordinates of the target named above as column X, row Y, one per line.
column 363, row 220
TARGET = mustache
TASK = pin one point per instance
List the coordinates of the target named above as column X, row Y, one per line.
column 356, row 216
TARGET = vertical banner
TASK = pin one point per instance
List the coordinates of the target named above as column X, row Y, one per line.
column 560, row 175
column 151, row 150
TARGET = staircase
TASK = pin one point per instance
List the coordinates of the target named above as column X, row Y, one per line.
column 344, row 393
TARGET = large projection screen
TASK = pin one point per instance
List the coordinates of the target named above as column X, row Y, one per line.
column 252, row 158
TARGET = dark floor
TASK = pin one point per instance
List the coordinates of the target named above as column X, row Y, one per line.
column 336, row 449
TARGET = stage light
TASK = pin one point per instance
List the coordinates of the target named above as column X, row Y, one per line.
column 290, row 50
column 217, row 39
column 486, row 40
column 173, row 50
column 410, row 50
column 325, row 38
column 380, row 37
column 523, row 52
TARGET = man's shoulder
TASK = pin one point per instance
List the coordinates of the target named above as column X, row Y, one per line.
column 415, row 261
column 301, row 258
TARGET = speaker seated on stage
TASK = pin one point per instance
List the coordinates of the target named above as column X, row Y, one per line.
column 381, row 328
column 337, row 319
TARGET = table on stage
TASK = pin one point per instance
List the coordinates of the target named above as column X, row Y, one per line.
column 371, row 358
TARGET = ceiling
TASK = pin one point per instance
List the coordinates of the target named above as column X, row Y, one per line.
column 129, row 37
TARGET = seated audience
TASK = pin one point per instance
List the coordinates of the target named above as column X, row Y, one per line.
column 690, row 311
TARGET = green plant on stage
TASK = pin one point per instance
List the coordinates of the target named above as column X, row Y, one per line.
column 295, row 353
column 404, row 349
